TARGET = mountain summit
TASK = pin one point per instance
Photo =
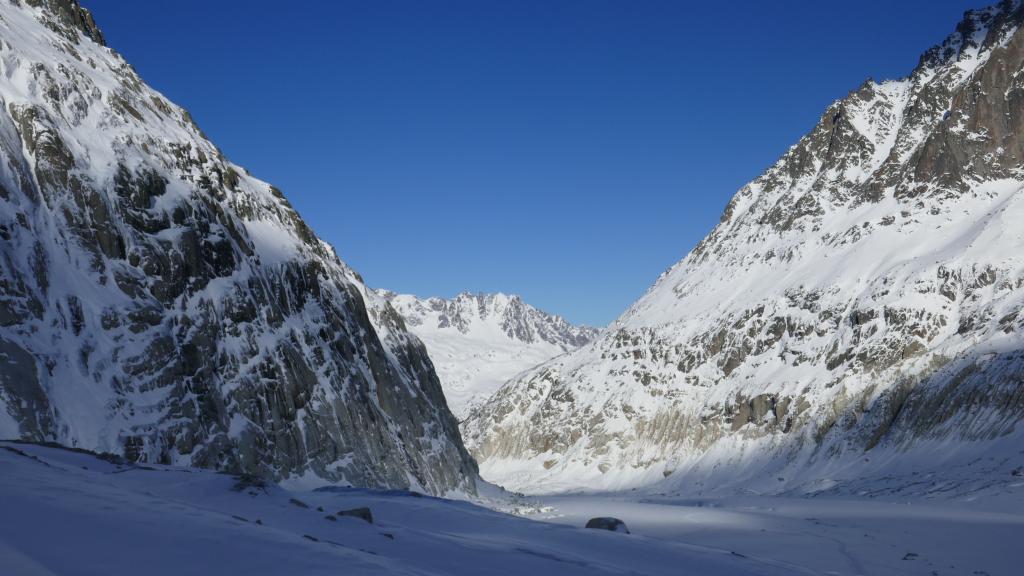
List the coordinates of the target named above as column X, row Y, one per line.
column 857, row 309
column 159, row 302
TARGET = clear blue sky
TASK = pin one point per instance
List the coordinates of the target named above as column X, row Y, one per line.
column 568, row 151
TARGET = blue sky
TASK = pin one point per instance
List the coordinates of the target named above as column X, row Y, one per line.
column 568, row 151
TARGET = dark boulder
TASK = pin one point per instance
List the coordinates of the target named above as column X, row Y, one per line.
column 608, row 523
column 363, row 513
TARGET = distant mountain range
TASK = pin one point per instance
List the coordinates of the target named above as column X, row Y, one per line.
column 479, row 341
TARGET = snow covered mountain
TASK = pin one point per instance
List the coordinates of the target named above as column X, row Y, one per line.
column 157, row 301
column 859, row 304
column 479, row 341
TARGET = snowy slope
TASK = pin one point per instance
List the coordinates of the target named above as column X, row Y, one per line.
column 859, row 302
column 71, row 514
column 159, row 302
column 479, row 341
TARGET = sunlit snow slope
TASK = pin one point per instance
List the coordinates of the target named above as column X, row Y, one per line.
column 479, row 341
column 859, row 303
column 159, row 302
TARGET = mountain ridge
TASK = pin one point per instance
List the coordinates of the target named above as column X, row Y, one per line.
column 479, row 341
column 159, row 302
column 863, row 294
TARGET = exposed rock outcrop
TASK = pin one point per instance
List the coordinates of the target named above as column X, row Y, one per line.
column 157, row 301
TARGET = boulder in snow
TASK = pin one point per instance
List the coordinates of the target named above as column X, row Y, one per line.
column 608, row 523
column 363, row 513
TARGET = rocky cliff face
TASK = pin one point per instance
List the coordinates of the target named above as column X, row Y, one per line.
column 863, row 297
column 159, row 302
column 479, row 341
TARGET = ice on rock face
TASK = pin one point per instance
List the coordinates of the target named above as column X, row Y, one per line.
column 862, row 296
column 157, row 301
column 477, row 342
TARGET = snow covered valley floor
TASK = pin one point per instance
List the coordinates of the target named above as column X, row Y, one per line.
column 67, row 512
column 71, row 513
column 828, row 535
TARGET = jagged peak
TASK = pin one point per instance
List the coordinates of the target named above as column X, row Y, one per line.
column 874, row 127
column 979, row 29
column 69, row 17
column 520, row 320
